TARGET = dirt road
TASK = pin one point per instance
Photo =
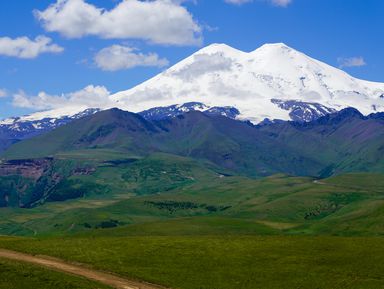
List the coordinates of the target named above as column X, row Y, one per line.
column 62, row 266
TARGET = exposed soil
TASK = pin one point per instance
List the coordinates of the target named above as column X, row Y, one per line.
column 62, row 266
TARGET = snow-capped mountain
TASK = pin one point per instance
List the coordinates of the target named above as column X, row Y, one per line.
column 19, row 128
column 272, row 82
column 219, row 75
column 45, row 120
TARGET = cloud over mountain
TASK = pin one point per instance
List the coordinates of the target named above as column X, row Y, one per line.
column 351, row 62
column 159, row 21
column 119, row 57
column 90, row 96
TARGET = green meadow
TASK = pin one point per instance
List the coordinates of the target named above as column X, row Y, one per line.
column 16, row 275
column 186, row 224
column 225, row 262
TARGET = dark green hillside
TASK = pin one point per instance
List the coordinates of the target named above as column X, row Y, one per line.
column 230, row 144
column 235, row 145
column 195, row 174
column 107, row 129
column 343, row 142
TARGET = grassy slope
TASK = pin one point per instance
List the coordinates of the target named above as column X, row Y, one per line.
column 15, row 275
column 169, row 195
column 171, row 243
column 210, row 204
column 226, row 262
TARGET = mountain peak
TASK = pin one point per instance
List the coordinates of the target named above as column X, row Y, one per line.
column 224, row 48
column 274, row 48
column 279, row 45
column 346, row 114
column 219, row 75
column 219, row 48
column 350, row 112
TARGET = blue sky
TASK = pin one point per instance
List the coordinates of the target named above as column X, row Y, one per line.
column 72, row 52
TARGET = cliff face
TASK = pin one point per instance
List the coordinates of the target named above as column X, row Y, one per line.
column 29, row 182
column 29, row 168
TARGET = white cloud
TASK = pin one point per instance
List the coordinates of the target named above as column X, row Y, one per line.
column 90, row 96
column 280, row 3
column 3, row 93
column 238, row 2
column 203, row 64
column 351, row 62
column 23, row 47
column 158, row 21
column 118, row 57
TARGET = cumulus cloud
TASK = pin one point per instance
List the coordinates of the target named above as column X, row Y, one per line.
column 23, row 47
column 237, row 2
column 351, row 62
column 118, row 57
column 90, row 96
column 158, row 21
column 204, row 63
column 280, row 3
column 3, row 93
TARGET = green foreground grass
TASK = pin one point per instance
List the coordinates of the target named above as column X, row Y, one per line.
column 204, row 262
column 176, row 223
column 16, row 275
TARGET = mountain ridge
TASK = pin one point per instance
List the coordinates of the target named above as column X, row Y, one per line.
column 146, row 154
column 338, row 142
column 218, row 75
column 273, row 82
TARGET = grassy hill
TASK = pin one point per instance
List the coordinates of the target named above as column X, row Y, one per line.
column 189, row 200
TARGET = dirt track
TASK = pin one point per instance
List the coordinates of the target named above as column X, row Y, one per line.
column 62, row 266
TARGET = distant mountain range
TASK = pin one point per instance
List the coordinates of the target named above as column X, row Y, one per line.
column 340, row 142
column 47, row 166
column 274, row 82
column 16, row 129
